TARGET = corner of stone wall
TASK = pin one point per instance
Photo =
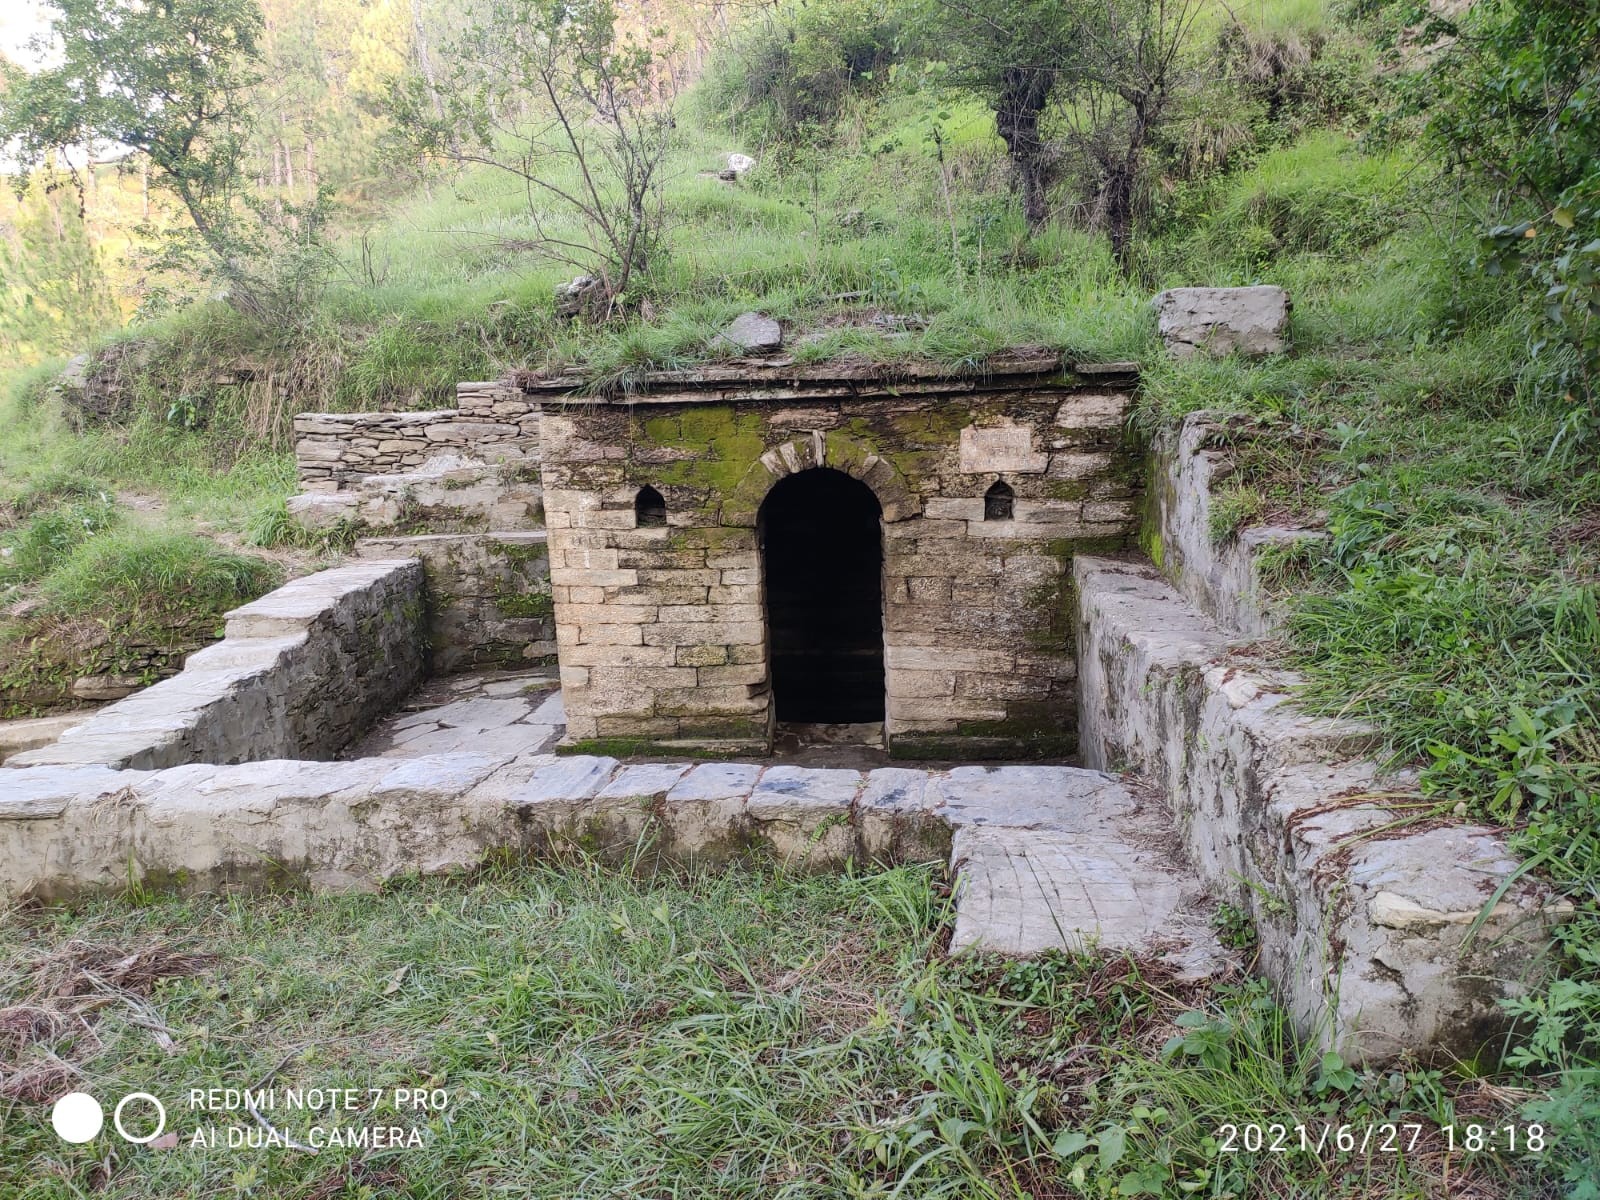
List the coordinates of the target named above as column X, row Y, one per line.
column 300, row 673
column 1223, row 578
column 1366, row 922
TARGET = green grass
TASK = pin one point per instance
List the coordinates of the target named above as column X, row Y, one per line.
column 744, row 1034
column 140, row 576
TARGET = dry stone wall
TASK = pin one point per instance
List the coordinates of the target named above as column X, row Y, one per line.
column 491, row 422
column 1221, row 577
column 301, row 672
column 661, row 631
column 1365, row 930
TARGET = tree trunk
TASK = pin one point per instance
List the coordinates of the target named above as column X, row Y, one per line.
column 1022, row 100
column 424, row 63
column 1121, row 193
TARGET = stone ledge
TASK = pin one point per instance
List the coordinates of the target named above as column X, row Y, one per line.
column 301, row 671
column 1282, row 814
column 68, row 831
column 1221, row 579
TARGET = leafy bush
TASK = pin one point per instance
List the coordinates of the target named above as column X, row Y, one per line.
column 788, row 74
column 1513, row 99
column 35, row 548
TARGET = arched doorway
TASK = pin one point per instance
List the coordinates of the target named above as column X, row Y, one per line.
column 822, row 558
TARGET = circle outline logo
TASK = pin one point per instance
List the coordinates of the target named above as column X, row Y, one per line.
column 161, row 1123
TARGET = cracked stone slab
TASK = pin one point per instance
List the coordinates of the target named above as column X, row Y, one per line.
column 1025, row 892
column 1063, row 799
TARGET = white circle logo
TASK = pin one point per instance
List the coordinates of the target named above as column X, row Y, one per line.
column 161, row 1118
column 77, row 1118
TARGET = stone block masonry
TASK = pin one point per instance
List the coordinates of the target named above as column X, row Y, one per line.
column 987, row 488
column 73, row 831
column 1365, row 926
column 1221, row 578
column 488, row 596
column 334, row 451
column 301, row 672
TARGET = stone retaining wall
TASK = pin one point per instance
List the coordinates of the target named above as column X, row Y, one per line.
column 490, row 423
column 1364, row 930
column 1221, row 577
column 1042, row 858
column 488, row 596
column 301, row 672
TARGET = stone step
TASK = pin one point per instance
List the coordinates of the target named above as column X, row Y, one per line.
column 1044, row 858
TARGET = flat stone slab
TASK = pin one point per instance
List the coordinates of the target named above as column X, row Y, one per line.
column 481, row 713
column 896, row 789
column 715, row 781
column 785, row 790
column 1063, row 799
column 17, row 736
column 751, row 332
column 575, row 778
column 1026, row 892
column 1249, row 320
column 642, row 781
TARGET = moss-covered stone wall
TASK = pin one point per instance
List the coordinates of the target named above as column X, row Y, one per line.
column 662, row 631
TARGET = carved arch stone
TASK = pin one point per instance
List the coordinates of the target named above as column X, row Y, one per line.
column 821, row 449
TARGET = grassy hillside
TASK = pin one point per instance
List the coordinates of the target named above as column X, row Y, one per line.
column 1454, row 604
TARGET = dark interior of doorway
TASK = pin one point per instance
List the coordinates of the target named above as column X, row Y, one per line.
column 822, row 554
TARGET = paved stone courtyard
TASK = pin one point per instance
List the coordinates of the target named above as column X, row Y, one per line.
column 493, row 712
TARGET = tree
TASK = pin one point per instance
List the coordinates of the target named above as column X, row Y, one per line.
column 167, row 79
column 1108, row 72
column 548, row 91
column 54, row 294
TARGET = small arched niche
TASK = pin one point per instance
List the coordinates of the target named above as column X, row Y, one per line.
column 999, row 502
column 650, row 508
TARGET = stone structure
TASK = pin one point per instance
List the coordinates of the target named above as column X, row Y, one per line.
column 913, row 553
column 336, row 451
column 730, row 548
column 301, row 672
column 1010, row 833
column 1247, row 320
column 1364, row 927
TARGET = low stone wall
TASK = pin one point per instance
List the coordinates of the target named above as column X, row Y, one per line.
column 301, row 672
column 488, row 596
column 491, row 422
column 1043, row 858
column 1365, row 929
column 1221, row 578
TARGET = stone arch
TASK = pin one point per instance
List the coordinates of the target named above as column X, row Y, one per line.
column 821, row 449
column 999, row 502
column 649, row 508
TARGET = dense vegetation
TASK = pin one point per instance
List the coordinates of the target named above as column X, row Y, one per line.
column 974, row 177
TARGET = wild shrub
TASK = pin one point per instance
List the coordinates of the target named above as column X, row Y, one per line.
column 787, row 75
